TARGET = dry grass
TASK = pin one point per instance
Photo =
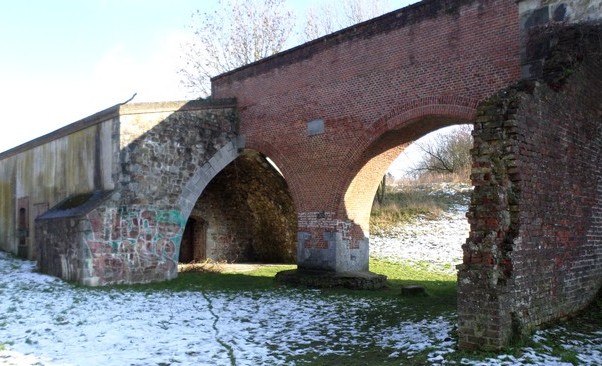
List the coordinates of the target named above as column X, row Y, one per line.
column 223, row 267
column 411, row 199
column 207, row 265
column 462, row 177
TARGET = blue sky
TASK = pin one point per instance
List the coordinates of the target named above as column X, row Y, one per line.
column 63, row 60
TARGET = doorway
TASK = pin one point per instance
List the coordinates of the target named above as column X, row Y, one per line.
column 193, row 248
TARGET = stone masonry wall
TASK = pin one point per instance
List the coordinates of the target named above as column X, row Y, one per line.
column 136, row 244
column 168, row 150
column 136, row 237
column 534, row 253
column 134, row 234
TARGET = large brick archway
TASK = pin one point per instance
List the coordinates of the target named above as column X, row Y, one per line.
column 334, row 112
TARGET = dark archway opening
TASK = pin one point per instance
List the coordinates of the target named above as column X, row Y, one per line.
column 244, row 215
column 194, row 241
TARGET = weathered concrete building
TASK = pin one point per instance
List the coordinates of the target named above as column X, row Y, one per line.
column 110, row 197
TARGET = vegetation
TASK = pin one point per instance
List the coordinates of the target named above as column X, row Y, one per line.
column 261, row 278
column 445, row 160
column 236, row 34
column 446, row 156
column 239, row 32
column 410, row 200
column 326, row 18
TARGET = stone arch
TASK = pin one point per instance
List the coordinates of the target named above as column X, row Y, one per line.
column 202, row 176
column 386, row 139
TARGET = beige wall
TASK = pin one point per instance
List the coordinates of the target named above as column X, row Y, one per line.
column 82, row 157
column 45, row 171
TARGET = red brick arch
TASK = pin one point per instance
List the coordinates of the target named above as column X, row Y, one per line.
column 334, row 113
column 386, row 139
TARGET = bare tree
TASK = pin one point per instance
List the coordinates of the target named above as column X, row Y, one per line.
column 447, row 154
column 332, row 16
column 237, row 33
column 319, row 22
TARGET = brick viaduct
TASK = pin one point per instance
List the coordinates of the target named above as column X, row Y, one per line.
column 107, row 199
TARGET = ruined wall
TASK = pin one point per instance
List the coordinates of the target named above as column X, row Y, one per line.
column 534, row 250
column 558, row 264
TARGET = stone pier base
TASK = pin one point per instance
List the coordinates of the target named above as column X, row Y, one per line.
column 363, row 280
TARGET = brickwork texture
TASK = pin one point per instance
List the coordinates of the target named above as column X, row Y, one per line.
column 534, row 250
column 334, row 113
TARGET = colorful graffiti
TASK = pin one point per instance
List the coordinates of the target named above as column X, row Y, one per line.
column 133, row 244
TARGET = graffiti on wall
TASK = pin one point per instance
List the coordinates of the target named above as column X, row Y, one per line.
column 133, row 243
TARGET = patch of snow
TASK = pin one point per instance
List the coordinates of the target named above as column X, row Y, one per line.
column 436, row 241
column 45, row 321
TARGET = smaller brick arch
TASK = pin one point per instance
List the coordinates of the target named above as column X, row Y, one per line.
column 386, row 139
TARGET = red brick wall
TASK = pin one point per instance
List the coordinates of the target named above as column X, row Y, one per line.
column 534, row 249
column 557, row 268
column 377, row 86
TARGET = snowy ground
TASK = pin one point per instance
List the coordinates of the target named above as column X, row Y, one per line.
column 44, row 321
column 437, row 241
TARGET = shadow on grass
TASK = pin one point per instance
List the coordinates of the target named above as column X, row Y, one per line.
column 261, row 279
column 440, row 287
